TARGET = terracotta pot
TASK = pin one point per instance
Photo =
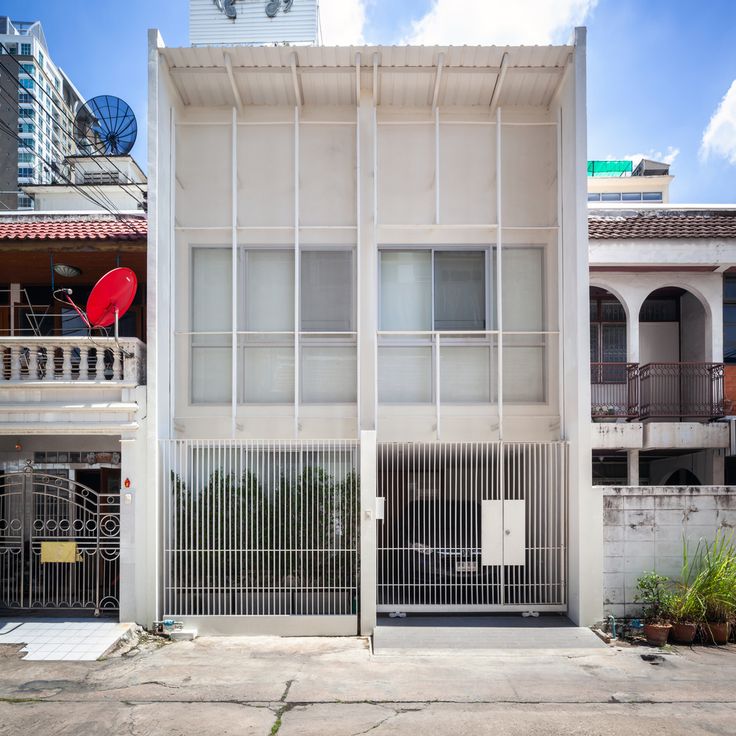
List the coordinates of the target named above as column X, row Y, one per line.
column 715, row 633
column 656, row 634
column 684, row 633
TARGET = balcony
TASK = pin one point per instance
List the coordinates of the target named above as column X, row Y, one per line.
column 82, row 360
column 679, row 391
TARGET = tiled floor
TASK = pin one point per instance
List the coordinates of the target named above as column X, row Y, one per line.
column 55, row 638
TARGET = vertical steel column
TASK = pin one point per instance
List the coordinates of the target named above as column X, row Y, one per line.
column 234, row 275
column 297, row 268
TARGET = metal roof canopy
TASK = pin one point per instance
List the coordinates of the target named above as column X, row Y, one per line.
column 405, row 76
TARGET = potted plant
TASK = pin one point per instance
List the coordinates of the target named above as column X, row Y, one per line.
column 716, row 585
column 657, row 603
column 687, row 602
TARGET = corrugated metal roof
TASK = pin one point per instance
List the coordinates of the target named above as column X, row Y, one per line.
column 406, row 74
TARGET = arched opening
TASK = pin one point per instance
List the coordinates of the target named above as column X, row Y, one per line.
column 682, row 477
column 676, row 379
column 609, row 371
column 672, row 327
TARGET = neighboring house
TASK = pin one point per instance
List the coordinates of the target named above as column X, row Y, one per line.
column 72, row 411
column 43, row 101
column 367, row 336
column 662, row 335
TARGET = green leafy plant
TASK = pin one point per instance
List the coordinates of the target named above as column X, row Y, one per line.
column 656, row 597
column 715, row 581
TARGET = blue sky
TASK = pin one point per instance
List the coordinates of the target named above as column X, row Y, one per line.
column 657, row 70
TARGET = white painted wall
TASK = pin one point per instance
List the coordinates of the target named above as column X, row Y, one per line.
column 659, row 342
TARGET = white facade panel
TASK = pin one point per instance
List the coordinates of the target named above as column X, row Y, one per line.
column 211, row 22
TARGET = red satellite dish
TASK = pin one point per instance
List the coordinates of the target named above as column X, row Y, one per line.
column 111, row 297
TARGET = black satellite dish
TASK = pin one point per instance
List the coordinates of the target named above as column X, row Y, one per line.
column 105, row 126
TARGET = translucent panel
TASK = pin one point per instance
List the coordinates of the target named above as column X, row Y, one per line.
column 406, row 174
column 211, row 369
column 729, row 288
column 406, row 290
column 328, row 374
column 211, row 289
column 327, row 199
column 327, row 291
column 467, row 174
column 459, row 291
column 268, row 198
column 465, row 374
column 267, row 299
column 266, row 372
column 405, row 375
column 523, row 288
column 203, row 182
column 524, row 369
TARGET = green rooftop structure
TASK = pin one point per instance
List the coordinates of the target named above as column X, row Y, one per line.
column 609, row 168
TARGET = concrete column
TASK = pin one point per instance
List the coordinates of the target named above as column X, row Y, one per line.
column 633, row 467
column 585, row 563
column 632, row 334
column 367, row 522
column 136, row 579
column 717, row 466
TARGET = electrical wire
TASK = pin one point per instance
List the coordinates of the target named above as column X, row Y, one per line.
column 68, row 117
column 117, row 215
column 50, row 167
column 59, row 152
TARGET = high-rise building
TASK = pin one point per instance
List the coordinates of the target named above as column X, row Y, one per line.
column 38, row 103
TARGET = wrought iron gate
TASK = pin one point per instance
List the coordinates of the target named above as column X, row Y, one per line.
column 59, row 544
column 472, row 526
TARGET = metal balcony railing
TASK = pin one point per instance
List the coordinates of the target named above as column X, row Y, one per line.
column 79, row 359
column 657, row 391
column 681, row 391
column 614, row 390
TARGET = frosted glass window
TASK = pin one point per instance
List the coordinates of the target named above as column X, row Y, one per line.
column 211, row 379
column 327, row 291
column 405, row 375
column 266, row 373
column 211, row 289
column 523, row 289
column 328, row 374
column 524, row 361
column 459, row 291
column 465, row 374
column 406, row 290
column 267, row 298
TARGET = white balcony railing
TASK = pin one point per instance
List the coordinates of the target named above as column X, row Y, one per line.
column 79, row 359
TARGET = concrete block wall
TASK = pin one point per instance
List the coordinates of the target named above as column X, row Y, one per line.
column 644, row 528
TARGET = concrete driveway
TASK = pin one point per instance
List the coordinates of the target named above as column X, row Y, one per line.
column 337, row 687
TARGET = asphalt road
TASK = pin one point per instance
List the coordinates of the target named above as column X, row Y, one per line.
column 338, row 687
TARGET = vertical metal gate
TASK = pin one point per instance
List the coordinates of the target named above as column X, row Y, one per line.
column 59, row 544
column 260, row 528
column 468, row 527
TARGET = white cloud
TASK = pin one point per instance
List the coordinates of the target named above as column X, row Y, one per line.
column 719, row 138
column 342, row 22
column 490, row 22
column 665, row 157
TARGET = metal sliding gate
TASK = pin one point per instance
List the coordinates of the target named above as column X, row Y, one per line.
column 260, row 528
column 59, row 544
column 466, row 527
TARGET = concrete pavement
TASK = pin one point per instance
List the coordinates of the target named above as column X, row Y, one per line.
column 337, row 687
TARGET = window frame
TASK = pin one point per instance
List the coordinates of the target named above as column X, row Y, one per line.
column 728, row 301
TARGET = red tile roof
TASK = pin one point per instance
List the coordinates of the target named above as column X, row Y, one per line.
column 668, row 224
column 79, row 228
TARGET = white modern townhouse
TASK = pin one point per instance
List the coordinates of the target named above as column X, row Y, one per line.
column 368, row 376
